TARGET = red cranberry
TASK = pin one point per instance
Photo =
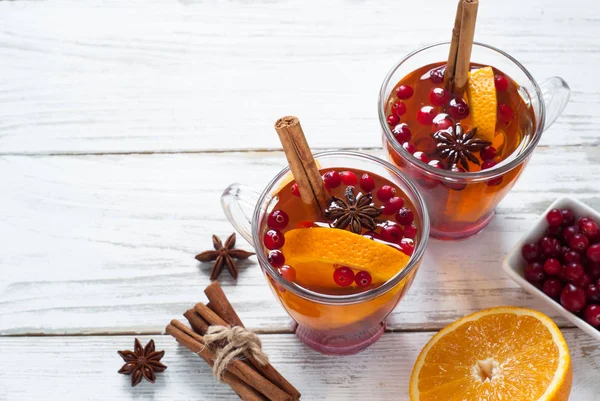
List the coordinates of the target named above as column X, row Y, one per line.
column 295, row 189
column 393, row 119
column 531, row 252
column 288, row 273
column 436, row 75
column 582, row 221
column 590, row 229
column 372, row 235
column 367, row 183
column 571, row 257
column 276, row 258
column 278, row 219
column 363, row 279
column 495, row 181
column 550, row 247
column 583, row 282
column 273, row 239
column 552, row 267
column 421, row 156
column 402, row 133
column 501, row 83
column 442, row 123
column 410, row 231
column 534, row 273
column 385, row 193
column 391, row 233
column 392, row 206
column 579, row 243
column 505, row 113
column 593, row 293
column 405, row 216
column 332, row 179
column 554, row 231
column 343, row 276
column 488, row 153
column 436, row 164
column 593, row 269
column 562, row 275
column 410, row 148
column 404, row 91
column 572, row 298
column 438, row 96
column 552, row 287
column 455, row 185
column 574, row 271
column 591, row 314
column 554, row 217
column 407, row 246
column 488, row 164
column 349, row 178
column 459, row 109
column 568, row 217
column 399, row 109
column 593, row 253
column 568, row 232
column 425, row 115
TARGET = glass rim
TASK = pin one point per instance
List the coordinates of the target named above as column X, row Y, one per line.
column 351, row 298
column 498, row 170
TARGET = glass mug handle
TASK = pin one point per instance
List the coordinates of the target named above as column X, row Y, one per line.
column 555, row 93
column 238, row 202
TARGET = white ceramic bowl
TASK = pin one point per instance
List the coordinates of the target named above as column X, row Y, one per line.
column 514, row 264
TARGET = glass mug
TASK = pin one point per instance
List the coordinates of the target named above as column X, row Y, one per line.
column 330, row 324
column 464, row 204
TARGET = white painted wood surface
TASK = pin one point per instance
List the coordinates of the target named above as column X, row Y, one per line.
column 99, row 237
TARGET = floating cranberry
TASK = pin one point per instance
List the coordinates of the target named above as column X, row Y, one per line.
column 391, row 233
column 590, row 229
column 593, row 293
column 410, row 231
column 442, row 123
column 552, row 287
column 392, row 206
column 505, row 113
column 495, row 181
column 363, row 279
column 273, row 239
column 568, row 233
column 531, row 252
column 385, row 193
column 295, row 189
column 438, row 96
column 571, row 257
column 572, row 298
column 488, row 164
column 455, row 185
column 568, row 217
column 436, row 164
column 554, row 217
column 276, row 258
column 332, row 179
column 393, row 119
column 278, row 219
column 367, row 183
column 574, row 271
column 349, row 178
column 402, row 133
column 410, row 148
column 399, row 109
column 591, row 314
column 405, row 216
column 288, row 273
column 488, row 153
column 593, row 253
column 552, row 267
column 407, row 245
column 372, row 235
column 404, row 91
column 421, row 156
column 437, row 75
column 583, row 282
column 534, row 273
column 459, row 109
column 343, row 276
column 501, row 83
column 426, row 115
column 579, row 243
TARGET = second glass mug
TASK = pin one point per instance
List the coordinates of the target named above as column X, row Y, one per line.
column 330, row 324
column 462, row 204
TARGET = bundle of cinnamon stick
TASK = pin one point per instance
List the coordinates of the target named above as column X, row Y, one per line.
column 251, row 380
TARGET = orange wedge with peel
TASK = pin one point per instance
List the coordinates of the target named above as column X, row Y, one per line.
column 496, row 354
column 482, row 102
column 316, row 252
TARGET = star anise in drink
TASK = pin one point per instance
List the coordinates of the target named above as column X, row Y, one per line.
column 356, row 212
column 456, row 146
column 142, row 362
column 223, row 255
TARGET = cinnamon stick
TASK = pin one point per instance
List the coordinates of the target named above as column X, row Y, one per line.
column 198, row 324
column 459, row 58
column 302, row 162
column 187, row 339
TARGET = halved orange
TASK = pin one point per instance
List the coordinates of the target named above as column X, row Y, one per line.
column 315, row 252
column 482, row 102
column 497, row 354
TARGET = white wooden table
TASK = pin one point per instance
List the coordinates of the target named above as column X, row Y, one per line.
column 121, row 123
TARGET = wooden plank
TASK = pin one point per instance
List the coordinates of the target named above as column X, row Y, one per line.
column 85, row 368
column 117, row 77
column 94, row 244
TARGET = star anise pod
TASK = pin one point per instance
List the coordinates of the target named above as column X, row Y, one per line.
column 357, row 211
column 458, row 147
column 142, row 362
column 223, row 255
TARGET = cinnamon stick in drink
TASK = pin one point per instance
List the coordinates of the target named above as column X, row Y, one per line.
column 459, row 58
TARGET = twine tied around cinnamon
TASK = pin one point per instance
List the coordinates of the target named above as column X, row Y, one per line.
column 238, row 341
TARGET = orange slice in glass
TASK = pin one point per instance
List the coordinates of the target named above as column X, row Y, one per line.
column 482, row 102
column 504, row 353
